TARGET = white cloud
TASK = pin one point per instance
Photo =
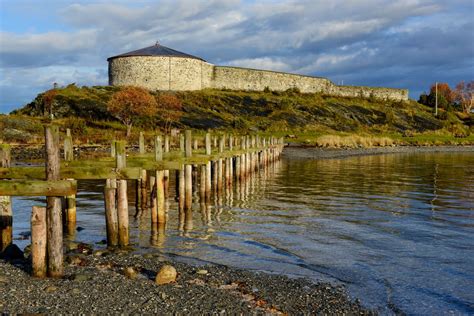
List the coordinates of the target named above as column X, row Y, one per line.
column 266, row 63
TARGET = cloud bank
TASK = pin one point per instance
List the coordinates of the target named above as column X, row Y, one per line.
column 402, row 44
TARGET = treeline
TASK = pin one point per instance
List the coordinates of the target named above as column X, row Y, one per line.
column 461, row 98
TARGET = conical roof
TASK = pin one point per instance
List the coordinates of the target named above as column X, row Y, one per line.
column 156, row 50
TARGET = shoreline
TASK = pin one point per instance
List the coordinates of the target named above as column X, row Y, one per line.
column 295, row 151
column 96, row 282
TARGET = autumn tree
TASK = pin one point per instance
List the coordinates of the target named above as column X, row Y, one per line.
column 170, row 109
column 464, row 95
column 129, row 103
column 444, row 96
column 48, row 102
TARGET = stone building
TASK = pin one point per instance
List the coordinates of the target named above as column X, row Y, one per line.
column 161, row 68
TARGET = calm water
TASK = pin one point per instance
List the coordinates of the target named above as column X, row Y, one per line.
column 397, row 230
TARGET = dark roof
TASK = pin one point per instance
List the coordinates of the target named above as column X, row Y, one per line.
column 156, row 50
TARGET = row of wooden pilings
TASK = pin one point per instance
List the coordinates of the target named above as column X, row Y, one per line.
column 223, row 159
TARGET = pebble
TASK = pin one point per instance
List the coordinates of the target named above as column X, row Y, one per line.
column 81, row 277
column 130, row 273
column 50, row 289
column 167, row 274
column 202, row 272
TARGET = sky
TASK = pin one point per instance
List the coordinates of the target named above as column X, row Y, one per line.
column 400, row 44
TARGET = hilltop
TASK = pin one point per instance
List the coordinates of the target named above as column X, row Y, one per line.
column 306, row 116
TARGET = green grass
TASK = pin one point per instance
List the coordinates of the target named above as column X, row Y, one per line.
column 306, row 116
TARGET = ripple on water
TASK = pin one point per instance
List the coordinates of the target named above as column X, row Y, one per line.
column 398, row 230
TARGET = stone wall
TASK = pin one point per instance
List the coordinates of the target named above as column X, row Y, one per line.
column 235, row 78
column 160, row 73
column 181, row 74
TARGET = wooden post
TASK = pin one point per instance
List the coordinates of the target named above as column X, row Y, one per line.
column 38, row 241
column 195, row 144
column 122, row 199
column 154, row 201
column 221, row 144
column 53, row 205
column 141, row 143
column 160, row 193
column 202, row 184
column 122, row 212
column 181, row 187
column 120, row 155
column 181, row 143
column 143, row 193
column 220, row 175
column 208, row 144
column 111, row 218
column 215, row 141
column 237, row 168
column 68, row 147
column 112, row 148
column 214, row 175
column 231, row 142
column 188, row 186
column 71, row 210
column 6, row 215
column 167, row 144
column 188, row 143
column 208, row 181
column 158, row 149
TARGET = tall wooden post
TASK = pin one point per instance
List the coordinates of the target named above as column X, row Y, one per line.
column 231, row 142
column 68, row 147
column 158, row 149
column 202, row 184
column 208, row 144
column 53, row 205
column 181, row 143
column 6, row 215
column 38, row 241
column 111, row 218
column 122, row 198
column 181, row 194
column 141, row 143
column 188, row 144
column 71, row 199
column 112, row 148
column 188, row 178
column 167, row 143
column 160, row 194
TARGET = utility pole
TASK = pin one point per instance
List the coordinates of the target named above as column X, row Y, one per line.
column 436, row 101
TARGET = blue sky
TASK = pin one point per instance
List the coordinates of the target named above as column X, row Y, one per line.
column 401, row 44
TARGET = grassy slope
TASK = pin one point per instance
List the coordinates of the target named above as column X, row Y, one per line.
column 306, row 116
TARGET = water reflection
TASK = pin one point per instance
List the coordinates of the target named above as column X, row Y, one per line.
column 397, row 229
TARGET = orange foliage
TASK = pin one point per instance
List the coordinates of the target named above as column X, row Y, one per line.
column 130, row 102
column 443, row 90
column 170, row 109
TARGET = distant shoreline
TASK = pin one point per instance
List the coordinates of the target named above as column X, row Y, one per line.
column 296, row 151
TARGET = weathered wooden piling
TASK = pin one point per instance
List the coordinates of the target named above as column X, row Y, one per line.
column 141, row 143
column 70, row 199
column 181, row 197
column 6, row 215
column 38, row 242
column 158, row 148
column 122, row 212
column 122, row 198
column 181, row 143
column 68, row 147
column 167, row 144
column 160, row 193
column 111, row 217
column 53, row 204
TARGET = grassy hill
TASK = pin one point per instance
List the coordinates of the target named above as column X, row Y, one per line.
column 311, row 118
